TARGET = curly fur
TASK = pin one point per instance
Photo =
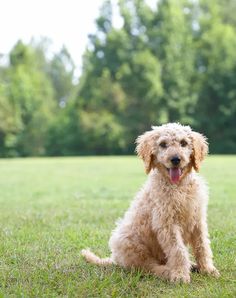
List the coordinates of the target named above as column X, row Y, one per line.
column 165, row 217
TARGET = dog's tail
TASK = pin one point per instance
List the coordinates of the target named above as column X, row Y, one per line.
column 92, row 258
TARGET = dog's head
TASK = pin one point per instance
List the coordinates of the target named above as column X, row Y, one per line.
column 173, row 149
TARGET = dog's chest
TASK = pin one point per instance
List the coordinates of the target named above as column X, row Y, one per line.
column 178, row 206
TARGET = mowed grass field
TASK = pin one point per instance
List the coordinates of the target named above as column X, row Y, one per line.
column 51, row 208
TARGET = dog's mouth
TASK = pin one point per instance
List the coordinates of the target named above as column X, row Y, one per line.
column 175, row 174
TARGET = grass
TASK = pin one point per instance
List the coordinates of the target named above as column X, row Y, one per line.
column 51, row 208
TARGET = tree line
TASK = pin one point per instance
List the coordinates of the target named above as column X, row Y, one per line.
column 173, row 63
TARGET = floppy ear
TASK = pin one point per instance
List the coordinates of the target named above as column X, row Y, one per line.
column 146, row 149
column 200, row 149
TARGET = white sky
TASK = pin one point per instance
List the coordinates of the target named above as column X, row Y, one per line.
column 65, row 22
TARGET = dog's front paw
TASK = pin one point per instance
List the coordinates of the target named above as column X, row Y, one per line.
column 176, row 276
column 211, row 270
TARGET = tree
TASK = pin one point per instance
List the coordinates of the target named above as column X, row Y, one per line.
column 216, row 62
column 61, row 72
column 120, row 74
column 30, row 94
column 171, row 40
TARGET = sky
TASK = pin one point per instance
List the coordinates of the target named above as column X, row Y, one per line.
column 65, row 22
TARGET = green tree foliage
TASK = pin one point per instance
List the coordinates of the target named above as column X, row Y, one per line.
column 30, row 101
column 216, row 62
column 176, row 62
column 122, row 75
column 64, row 133
column 9, row 121
column 61, row 72
column 172, row 42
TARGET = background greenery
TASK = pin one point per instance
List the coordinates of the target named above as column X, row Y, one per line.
column 51, row 208
column 174, row 63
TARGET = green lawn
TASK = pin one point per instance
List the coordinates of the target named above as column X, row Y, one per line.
column 51, row 208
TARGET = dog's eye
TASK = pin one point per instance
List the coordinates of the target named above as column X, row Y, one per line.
column 163, row 145
column 183, row 143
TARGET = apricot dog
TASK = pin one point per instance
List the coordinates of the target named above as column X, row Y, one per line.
column 169, row 212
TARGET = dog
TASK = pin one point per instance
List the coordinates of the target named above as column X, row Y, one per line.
column 169, row 213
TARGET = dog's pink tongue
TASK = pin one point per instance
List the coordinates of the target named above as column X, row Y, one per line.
column 175, row 174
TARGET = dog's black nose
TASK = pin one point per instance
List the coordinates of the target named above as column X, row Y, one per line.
column 175, row 160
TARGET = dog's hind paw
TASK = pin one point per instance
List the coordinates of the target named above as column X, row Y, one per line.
column 211, row 270
column 179, row 277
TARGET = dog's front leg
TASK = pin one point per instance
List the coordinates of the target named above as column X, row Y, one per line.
column 178, row 264
column 202, row 250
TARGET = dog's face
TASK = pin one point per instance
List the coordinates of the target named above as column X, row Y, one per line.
column 173, row 149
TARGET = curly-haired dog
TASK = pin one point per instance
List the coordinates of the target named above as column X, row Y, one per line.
column 169, row 212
